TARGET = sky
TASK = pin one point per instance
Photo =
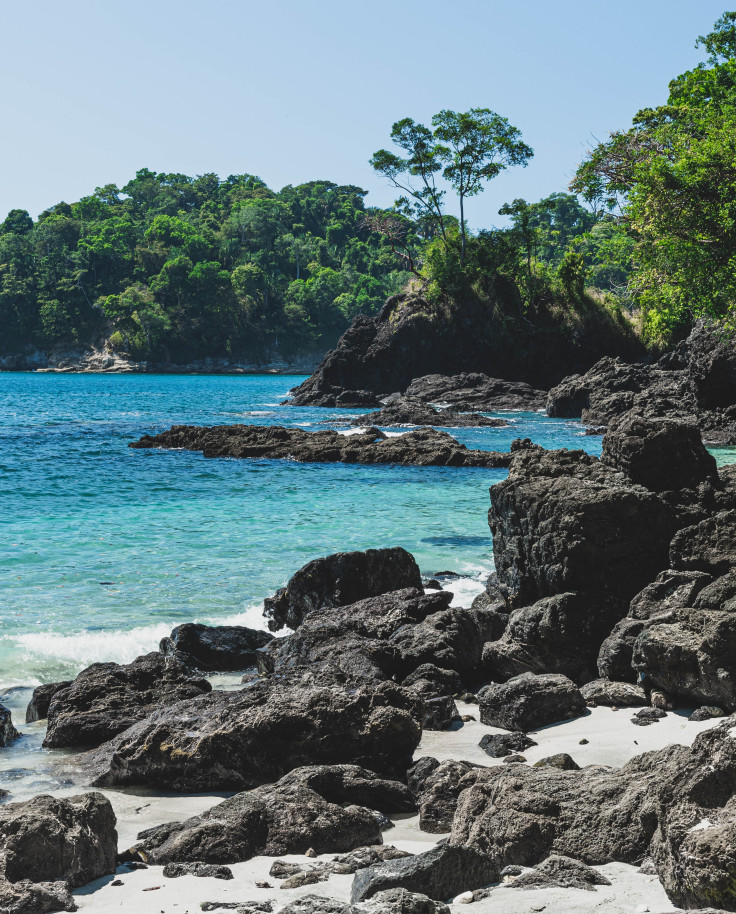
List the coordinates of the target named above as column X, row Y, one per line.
column 293, row 91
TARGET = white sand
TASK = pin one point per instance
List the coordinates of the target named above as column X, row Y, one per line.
column 613, row 739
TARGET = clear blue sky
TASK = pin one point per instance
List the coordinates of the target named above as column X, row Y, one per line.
column 295, row 90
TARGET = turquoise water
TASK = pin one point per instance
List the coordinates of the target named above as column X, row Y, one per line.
column 105, row 548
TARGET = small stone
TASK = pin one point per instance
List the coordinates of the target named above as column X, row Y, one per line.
column 515, row 758
column 541, row 907
column 310, row 852
column 470, row 698
column 661, row 700
column 301, row 879
column 463, row 898
column 614, row 708
column 642, row 909
column 262, row 884
column 583, row 742
column 117, row 882
column 562, row 761
column 512, row 870
column 465, row 718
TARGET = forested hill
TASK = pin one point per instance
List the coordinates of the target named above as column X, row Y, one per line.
column 172, row 268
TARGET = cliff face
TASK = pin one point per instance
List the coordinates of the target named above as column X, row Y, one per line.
column 412, row 337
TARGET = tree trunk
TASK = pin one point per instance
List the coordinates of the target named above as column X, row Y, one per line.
column 462, row 229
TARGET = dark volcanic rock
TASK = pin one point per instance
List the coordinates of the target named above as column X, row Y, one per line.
column 441, row 873
column 47, row 839
column 410, row 411
column 707, row 712
column 661, row 455
column 38, row 706
column 563, row 872
column 236, row 740
column 437, row 791
column 202, row 870
column 423, row 447
column 8, row 733
column 695, row 383
column 219, row 648
column 344, row 784
column 392, row 901
column 412, row 337
column 269, row 820
column 107, row 698
column 338, row 580
column 562, row 760
column 476, row 391
column 442, row 682
column 613, row 694
column 528, row 702
column 26, row 897
column 499, row 745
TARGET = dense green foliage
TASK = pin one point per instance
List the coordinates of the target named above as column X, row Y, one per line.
column 673, row 175
column 176, row 268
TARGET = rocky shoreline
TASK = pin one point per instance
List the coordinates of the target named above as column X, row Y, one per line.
column 614, row 585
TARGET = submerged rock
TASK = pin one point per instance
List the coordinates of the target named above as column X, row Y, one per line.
column 410, row 411
column 338, row 580
column 8, row 733
column 107, row 698
column 215, row 648
column 423, row 447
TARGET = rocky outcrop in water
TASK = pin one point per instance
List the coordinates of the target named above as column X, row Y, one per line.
column 696, row 383
column 8, row 733
column 48, row 845
column 38, row 706
column 240, row 740
column 423, row 447
column 412, row 338
column 107, row 698
column 476, row 391
column 340, row 579
column 410, row 411
column 215, row 648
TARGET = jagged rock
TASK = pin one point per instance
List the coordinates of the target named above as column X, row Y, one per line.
column 240, row 907
column 8, row 733
column 237, row 740
column 410, row 411
column 498, row 745
column 707, row 713
column 557, row 634
column 616, row 694
column 343, row 864
column 442, row 682
column 219, row 648
column 440, row 712
column 38, row 707
column 442, row 872
column 476, row 391
column 563, row 872
column 338, row 580
column 392, row 901
column 565, row 522
column 107, row 698
column 437, row 790
column 660, row 455
column 269, row 820
column 422, row 447
column 695, row 383
column 562, row 761
column 24, row 897
column 47, row 839
column 412, row 337
column 528, row 702
column 343, row 784
column 203, row 870
column 302, row 878
column 356, row 399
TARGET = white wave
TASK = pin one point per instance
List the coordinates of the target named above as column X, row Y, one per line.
column 84, row 648
column 464, row 590
column 251, row 617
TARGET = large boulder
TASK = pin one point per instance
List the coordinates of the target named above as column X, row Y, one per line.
column 351, row 784
column 269, row 820
column 338, row 580
column 440, row 873
column 661, row 454
column 437, row 788
column 107, row 698
column 563, row 522
column 240, row 740
column 528, row 702
column 26, row 897
column 220, row 648
column 613, row 694
column 47, row 839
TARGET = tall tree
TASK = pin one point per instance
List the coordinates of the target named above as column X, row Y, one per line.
column 476, row 146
